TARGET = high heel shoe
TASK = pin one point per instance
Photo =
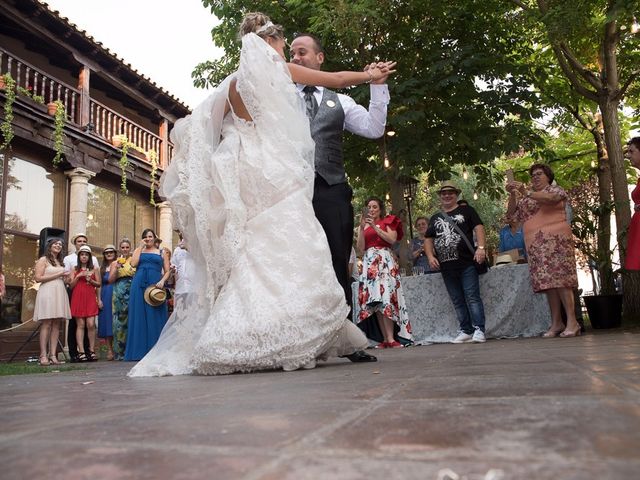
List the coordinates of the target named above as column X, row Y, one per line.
column 44, row 361
column 571, row 333
column 551, row 333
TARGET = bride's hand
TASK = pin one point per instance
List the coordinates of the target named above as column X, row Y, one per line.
column 380, row 71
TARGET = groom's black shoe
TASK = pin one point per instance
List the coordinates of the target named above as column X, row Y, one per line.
column 361, row 356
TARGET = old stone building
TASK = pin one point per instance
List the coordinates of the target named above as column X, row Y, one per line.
column 43, row 59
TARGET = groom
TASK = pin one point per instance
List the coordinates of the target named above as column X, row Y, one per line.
column 330, row 114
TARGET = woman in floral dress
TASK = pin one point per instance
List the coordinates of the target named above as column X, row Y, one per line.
column 379, row 291
column 549, row 244
column 121, row 272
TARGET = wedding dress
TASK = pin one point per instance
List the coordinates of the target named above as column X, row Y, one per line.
column 265, row 292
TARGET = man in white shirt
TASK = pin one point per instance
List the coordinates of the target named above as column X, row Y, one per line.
column 70, row 263
column 330, row 114
column 182, row 261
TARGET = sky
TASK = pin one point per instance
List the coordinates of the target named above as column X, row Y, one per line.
column 162, row 39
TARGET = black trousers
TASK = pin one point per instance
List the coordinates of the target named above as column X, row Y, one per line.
column 332, row 205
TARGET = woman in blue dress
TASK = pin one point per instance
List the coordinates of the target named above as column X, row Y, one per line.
column 145, row 321
column 105, row 317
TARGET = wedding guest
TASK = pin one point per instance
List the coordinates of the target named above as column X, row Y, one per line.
column 146, row 321
column 632, row 258
column 3, row 288
column 70, row 262
column 105, row 295
column 120, row 275
column 52, row 301
column 512, row 237
column 84, row 282
column 379, row 290
column 449, row 248
column 549, row 244
column 182, row 264
column 418, row 255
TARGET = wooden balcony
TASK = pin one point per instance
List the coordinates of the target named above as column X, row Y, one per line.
column 84, row 112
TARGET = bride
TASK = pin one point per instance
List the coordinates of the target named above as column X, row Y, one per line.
column 240, row 185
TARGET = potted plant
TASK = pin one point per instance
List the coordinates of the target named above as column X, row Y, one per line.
column 118, row 140
column 590, row 227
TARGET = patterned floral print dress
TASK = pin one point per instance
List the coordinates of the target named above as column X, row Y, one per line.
column 549, row 242
column 121, row 291
column 379, row 287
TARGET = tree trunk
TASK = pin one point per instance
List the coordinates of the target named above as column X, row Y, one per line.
column 609, row 110
column 607, row 285
column 630, row 280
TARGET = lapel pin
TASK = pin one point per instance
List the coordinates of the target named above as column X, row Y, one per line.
column 331, row 103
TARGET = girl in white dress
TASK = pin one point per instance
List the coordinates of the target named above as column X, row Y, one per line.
column 240, row 185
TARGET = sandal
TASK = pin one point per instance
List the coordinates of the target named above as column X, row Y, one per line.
column 110, row 356
column 82, row 357
column 44, row 361
column 93, row 357
column 54, row 360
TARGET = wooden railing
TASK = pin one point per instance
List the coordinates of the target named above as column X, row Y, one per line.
column 37, row 82
column 106, row 122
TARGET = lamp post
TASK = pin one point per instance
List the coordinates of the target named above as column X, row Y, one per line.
column 409, row 188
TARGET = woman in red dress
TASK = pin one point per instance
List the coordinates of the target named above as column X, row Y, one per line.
column 380, row 292
column 632, row 259
column 84, row 281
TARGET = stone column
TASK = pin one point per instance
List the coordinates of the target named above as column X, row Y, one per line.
column 78, row 198
column 165, row 226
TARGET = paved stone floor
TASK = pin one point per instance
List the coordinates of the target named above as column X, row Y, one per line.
column 508, row 409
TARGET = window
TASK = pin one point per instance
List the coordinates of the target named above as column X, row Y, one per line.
column 35, row 198
column 100, row 216
column 18, row 265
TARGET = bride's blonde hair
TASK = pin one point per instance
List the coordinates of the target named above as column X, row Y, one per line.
column 261, row 25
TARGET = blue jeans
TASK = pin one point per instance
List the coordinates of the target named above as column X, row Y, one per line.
column 464, row 290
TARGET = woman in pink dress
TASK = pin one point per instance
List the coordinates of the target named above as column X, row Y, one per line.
column 632, row 259
column 549, row 244
column 52, row 301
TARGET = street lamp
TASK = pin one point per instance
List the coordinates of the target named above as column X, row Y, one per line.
column 409, row 188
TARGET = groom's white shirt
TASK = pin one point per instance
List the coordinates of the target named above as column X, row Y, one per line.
column 357, row 119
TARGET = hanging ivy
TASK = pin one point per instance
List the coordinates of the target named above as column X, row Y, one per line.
column 58, row 132
column 151, row 155
column 7, row 124
column 153, row 158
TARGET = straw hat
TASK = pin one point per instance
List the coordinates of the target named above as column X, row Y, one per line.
column 84, row 248
column 448, row 185
column 155, row 296
column 109, row 248
column 73, row 239
column 506, row 258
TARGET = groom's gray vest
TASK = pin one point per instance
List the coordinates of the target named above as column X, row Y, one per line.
column 327, row 131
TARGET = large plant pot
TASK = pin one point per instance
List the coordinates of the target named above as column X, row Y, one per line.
column 605, row 311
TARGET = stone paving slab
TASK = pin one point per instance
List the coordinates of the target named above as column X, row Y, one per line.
column 522, row 409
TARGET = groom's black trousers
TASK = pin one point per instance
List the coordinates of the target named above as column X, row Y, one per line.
column 332, row 205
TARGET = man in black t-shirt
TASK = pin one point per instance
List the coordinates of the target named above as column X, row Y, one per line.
column 448, row 251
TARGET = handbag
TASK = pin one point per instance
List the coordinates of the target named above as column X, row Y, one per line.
column 481, row 268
